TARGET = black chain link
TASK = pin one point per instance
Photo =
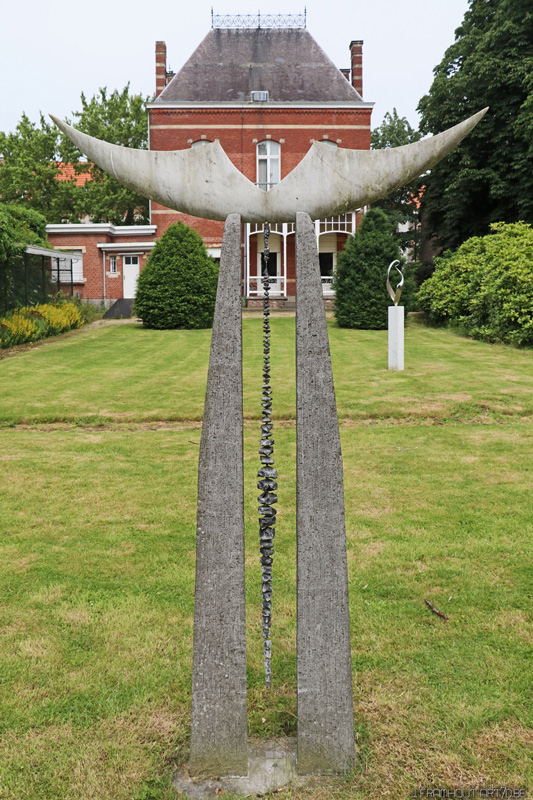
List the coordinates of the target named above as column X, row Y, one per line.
column 267, row 474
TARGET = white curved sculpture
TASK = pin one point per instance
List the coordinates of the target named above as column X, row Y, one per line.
column 204, row 182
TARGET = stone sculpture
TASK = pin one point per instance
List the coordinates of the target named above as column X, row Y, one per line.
column 203, row 182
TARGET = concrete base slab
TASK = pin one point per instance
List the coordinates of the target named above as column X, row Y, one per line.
column 271, row 765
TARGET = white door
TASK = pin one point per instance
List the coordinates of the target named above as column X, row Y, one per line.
column 130, row 274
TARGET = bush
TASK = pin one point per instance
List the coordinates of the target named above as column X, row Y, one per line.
column 486, row 286
column 89, row 312
column 177, row 287
column 18, row 329
column 362, row 299
column 31, row 323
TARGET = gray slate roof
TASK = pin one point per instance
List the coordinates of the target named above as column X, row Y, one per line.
column 231, row 63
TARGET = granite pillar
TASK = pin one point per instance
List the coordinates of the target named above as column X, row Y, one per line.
column 324, row 672
column 218, row 718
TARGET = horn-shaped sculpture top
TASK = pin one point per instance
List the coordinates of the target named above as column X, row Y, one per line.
column 204, row 182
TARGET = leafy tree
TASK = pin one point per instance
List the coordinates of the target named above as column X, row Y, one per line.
column 490, row 176
column 361, row 295
column 400, row 206
column 486, row 286
column 32, row 157
column 18, row 227
column 30, row 169
column 178, row 285
column 119, row 118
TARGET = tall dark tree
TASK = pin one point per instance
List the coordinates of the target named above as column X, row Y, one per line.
column 490, row 176
column 402, row 205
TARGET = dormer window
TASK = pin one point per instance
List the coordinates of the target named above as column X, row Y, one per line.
column 259, row 97
column 268, row 164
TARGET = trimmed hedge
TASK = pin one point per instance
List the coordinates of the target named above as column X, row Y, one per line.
column 177, row 287
column 486, row 286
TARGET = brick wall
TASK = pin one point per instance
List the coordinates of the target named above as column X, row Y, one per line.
column 93, row 261
column 239, row 130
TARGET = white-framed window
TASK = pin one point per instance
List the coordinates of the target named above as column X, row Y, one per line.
column 200, row 142
column 130, row 261
column 113, row 264
column 268, row 164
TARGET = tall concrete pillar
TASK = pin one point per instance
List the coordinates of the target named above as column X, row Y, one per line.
column 324, row 672
column 218, row 719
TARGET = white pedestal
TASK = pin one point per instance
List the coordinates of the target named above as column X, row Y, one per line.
column 396, row 337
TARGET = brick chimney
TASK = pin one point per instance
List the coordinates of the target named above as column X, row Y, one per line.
column 356, row 52
column 346, row 73
column 160, row 67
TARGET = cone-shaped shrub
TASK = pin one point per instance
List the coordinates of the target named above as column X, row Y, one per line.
column 360, row 281
column 178, row 285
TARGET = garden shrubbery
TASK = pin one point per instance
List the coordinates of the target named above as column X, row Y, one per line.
column 486, row 286
column 362, row 299
column 177, row 287
column 30, row 323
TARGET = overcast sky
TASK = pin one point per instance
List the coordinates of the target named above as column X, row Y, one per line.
column 52, row 50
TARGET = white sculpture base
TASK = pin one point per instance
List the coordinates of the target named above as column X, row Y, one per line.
column 396, row 337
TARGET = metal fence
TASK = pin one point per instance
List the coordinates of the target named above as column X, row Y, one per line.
column 259, row 20
column 33, row 277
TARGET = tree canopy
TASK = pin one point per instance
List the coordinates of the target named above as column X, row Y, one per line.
column 33, row 156
column 490, row 176
column 30, row 169
column 119, row 118
column 400, row 206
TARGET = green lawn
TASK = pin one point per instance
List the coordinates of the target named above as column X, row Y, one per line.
column 99, row 436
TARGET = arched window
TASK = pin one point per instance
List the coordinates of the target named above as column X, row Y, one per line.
column 268, row 164
column 328, row 141
column 200, row 142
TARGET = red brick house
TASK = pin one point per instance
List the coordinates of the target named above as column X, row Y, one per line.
column 266, row 93
column 110, row 257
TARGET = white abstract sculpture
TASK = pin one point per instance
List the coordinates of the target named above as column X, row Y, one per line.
column 396, row 321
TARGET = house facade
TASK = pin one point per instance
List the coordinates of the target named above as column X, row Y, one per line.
column 266, row 93
column 109, row 257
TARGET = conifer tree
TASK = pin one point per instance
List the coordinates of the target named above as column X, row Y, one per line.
column 177, row 287
column 360, row 280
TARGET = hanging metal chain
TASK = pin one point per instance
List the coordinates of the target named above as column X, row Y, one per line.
column 267, row 474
